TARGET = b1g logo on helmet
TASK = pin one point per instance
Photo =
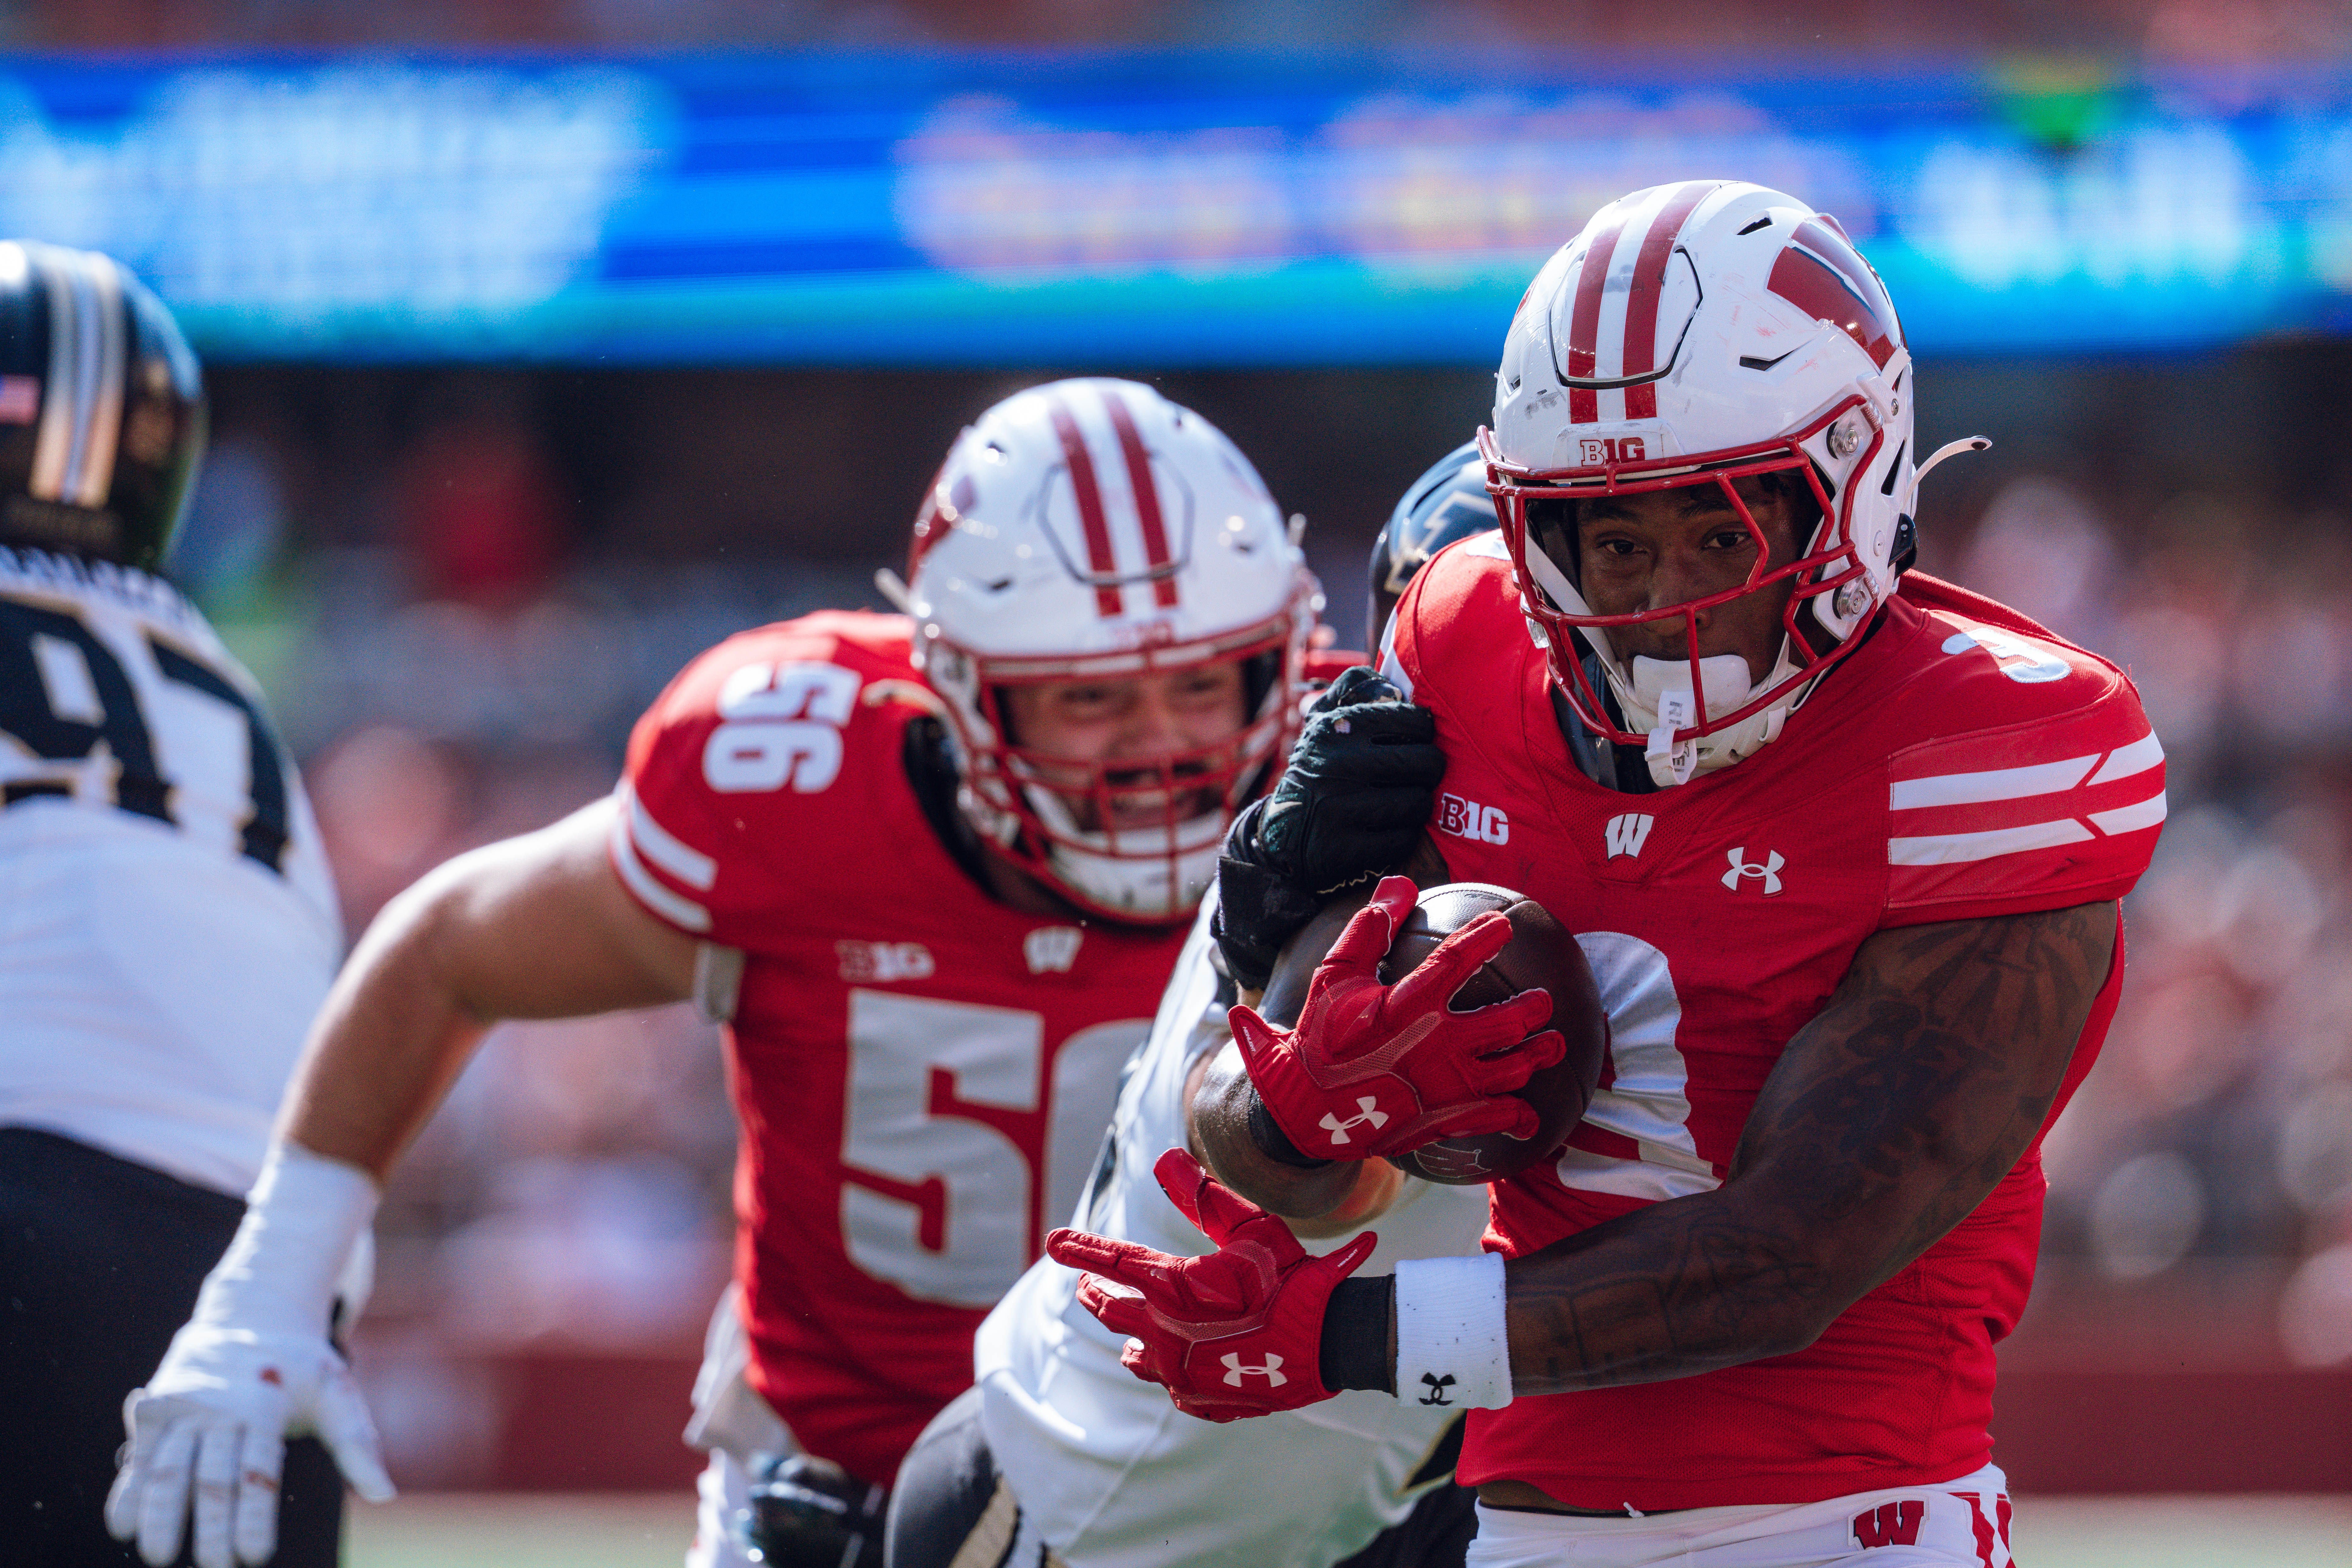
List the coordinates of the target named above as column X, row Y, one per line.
column 1595, row 450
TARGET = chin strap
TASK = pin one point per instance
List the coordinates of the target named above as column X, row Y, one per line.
column 1663, row 711
column 1671, row 763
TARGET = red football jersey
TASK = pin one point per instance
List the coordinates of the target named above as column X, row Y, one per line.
column 923, row 1073
column 1963, row 763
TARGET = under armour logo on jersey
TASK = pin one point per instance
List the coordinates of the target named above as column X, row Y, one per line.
column 1437, row 1387
column 1769, row 869
column 1890, row 1524
column 1628, row 833
column 1052, row 949
column 884, row 962
column 1271, row 1370
column 1369, row 1108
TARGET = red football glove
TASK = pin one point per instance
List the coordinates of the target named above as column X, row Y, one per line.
column 1238, row 1331
column 1382, row 1069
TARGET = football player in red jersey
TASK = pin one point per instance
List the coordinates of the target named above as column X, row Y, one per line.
column 1844, row 845
column 932, row 869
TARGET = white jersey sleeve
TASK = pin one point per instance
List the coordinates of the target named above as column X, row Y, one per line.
column 1113, row 1475
column 167, row 920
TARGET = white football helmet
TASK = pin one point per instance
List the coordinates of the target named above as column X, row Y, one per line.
column 1091, row 529
column 1693, row 334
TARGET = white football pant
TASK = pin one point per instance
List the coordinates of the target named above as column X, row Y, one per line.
column 1960, row 1524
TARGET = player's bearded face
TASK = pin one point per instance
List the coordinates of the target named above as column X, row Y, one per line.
column 1138, row 752
column 1647, row 551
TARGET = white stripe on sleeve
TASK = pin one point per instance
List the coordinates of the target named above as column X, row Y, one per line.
column 2131, row 818
column 1995, row 784
column 1943, row 849
column 665, row 849
column 2138, row 757
column 677, row 910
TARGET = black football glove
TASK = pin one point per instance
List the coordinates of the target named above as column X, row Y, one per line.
column 1351, row 805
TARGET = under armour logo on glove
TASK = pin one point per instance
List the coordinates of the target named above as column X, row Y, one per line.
column 1446, row 1074
column 1437, row 1387
column 1217, row 1330
column 1369, row 1107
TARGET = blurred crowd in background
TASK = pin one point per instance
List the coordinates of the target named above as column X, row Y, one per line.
column 2162, row 30
column 460, row 589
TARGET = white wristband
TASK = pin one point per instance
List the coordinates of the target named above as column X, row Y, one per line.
column 1453, row 1340
column 282, row 1267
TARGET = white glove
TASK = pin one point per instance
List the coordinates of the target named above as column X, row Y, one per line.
column 252, row 1367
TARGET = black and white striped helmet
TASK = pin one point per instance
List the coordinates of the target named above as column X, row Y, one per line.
column 102, row 408
column 1446, row 503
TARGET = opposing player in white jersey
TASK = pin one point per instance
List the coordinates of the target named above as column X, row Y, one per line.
column 1059, row 1449
column 167, row 925
column 933, row 869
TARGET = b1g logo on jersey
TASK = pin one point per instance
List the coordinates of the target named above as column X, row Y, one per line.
column 783, row 726
column 879, row 962
column 1468, row 819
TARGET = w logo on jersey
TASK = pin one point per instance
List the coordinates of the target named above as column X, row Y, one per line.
column 1890, row 1524
column 1368, row 1105
column 1052, row 949
column 1270, row 1368
column 1628, row 833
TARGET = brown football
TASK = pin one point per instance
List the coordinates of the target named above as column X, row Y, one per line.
column 1542, row 954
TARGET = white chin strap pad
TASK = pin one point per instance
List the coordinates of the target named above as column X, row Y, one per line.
column 1658, row 698
column 1128, row 871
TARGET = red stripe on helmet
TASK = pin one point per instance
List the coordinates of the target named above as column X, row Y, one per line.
column 1147, row 499
column 1649, row 285
column 1584, row 325
column 1822, row 275
column 1099, row 559
column 929, row 526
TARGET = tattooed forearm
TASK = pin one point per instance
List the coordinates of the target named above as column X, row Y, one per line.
column 1332, row 1198
column 1888, row 1119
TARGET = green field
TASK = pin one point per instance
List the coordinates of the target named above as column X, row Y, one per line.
column 631, row 1531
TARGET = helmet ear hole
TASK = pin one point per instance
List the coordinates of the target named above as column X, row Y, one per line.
column 1805, row 511
column 1906, row 545
column 1261, row 672
column 1551, row 524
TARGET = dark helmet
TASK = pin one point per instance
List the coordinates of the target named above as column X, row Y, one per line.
column 1448, row 502
column 102, row 408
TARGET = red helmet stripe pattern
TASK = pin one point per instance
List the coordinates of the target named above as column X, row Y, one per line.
column 1099, row 559
column 1649, row 282
column 1584, row 325
column 1822, row 275
column 1147, row 499
column 927, row 527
